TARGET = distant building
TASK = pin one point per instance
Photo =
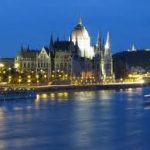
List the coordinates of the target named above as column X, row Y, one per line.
column 126, row 62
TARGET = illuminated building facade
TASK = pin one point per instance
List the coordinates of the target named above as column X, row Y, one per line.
column 106, row 61
column 33, row 60
column 80, row 36
column 7, row 63
column 100, row 55
column 63, row 56
column 75, row 57
column 67, row 59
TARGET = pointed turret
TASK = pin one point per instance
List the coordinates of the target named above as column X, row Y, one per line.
column 99, row 42
column 22, row 47
column 107, row 44
column 57, row 38
column 133, row 48
column 51, row 42
column 28, row 48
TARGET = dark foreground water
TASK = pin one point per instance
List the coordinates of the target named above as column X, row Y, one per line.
column 99, row 120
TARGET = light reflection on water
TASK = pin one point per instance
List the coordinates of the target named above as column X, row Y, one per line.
column 76, row 121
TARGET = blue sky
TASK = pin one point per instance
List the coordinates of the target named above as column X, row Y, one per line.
column 31, row 22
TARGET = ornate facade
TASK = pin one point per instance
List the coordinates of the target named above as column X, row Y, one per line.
column 29, row 60
column 74, row 58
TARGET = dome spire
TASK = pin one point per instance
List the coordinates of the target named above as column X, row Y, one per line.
column 80, row 20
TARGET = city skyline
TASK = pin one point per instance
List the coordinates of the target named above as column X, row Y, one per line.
column 32, row 22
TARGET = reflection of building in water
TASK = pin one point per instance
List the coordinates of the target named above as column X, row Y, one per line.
column 59, row 96
column 106, row 95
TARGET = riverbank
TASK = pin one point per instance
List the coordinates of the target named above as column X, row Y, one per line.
column 64, row 88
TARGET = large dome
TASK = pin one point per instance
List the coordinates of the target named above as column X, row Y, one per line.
column 80, row 31
column 80, row 36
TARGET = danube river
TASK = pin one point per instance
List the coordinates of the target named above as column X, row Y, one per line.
column 95, row 120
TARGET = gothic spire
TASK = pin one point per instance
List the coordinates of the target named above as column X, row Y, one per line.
column 28, row 48
column 107, row 44
column 99, row 42
column 51, row 42
column 133, row 47
column 57, row 38
column 22, row 47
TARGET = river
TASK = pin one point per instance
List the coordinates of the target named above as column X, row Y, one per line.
column 95, row 120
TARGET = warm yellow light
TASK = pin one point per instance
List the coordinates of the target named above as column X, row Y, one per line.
column 29, row 81
column 19, row 80
column 142, row 81
column 29, row 76
column 37, row 76
column 9, row 77
column 16, row 65
column 65, row 94
column 60, row 94
column 52, row 95
column 44, row 96
column 1, row 65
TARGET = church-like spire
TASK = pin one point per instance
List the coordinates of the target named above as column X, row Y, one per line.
column 107, row 44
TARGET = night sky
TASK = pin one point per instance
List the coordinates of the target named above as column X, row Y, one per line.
column 31, row 22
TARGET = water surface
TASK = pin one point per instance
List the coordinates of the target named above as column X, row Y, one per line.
column 95, row 120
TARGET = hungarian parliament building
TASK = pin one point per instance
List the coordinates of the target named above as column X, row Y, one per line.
column 76, row 57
